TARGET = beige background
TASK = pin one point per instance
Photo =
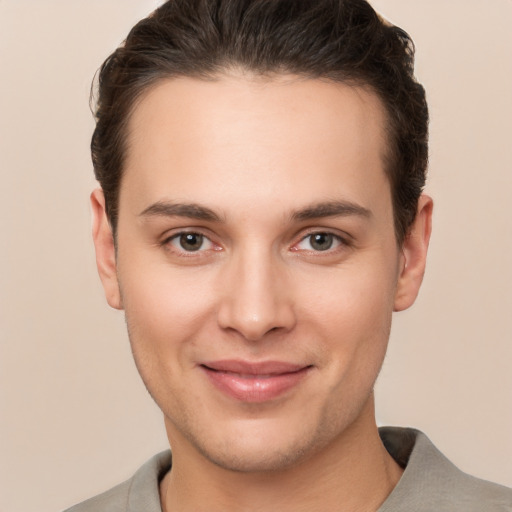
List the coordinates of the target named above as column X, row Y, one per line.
column 75, row 418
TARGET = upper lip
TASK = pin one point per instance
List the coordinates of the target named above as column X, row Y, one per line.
column 254, row 368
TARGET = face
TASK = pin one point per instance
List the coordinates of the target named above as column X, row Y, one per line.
column 257, row 263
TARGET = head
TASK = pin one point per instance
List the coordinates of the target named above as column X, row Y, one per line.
column 333, row 40
column 261, row 164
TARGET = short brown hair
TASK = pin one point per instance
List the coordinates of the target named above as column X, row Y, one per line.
column 340, row 40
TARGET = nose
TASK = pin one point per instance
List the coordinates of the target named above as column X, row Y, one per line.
column 257, row 296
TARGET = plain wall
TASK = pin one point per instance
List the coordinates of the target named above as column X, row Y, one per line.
column 75, row 417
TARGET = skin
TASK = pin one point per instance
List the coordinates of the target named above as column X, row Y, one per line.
column 256, row 157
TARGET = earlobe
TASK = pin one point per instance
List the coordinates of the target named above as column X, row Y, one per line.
column 105, row 249
column 414, row 255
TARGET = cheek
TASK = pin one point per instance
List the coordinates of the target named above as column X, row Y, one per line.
column 361, row 295
column 161, row 295
column 352, row 311
column 166, row 311
column 166, row 319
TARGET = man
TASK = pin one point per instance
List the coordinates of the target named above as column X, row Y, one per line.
column 260, row 218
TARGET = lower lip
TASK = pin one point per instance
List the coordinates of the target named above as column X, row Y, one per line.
column 255, row 389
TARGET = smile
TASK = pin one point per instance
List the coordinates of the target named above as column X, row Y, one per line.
column 254, row 382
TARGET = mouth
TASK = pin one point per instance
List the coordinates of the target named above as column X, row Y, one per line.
column 254, row 382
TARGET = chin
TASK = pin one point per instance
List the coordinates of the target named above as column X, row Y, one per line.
column 255, row 459
column 262, row 446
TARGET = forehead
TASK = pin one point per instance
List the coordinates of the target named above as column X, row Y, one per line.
column 285, row 136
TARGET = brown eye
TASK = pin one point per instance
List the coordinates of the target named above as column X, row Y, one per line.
column 191, row 241
column 321, row 241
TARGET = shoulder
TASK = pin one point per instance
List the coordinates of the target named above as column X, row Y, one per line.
column 140, row 492
column 431, row 482
column 113, row 500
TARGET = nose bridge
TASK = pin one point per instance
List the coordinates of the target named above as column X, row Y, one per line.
column 256, row 296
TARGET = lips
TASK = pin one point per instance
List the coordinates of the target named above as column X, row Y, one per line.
column 254, row 382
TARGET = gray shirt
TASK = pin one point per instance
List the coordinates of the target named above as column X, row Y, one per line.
column 430, row 483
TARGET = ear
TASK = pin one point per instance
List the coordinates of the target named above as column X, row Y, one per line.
column 414, row 255
column 105, row 249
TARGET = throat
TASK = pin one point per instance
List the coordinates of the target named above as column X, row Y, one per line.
column 361, row 478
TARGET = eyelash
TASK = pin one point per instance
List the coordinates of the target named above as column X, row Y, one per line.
column 337, row 240
column 181, row 251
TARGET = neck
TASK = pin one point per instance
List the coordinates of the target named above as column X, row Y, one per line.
column 354, row 473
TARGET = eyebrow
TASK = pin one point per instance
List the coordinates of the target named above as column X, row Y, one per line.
column 189, row 210
column 199, row 212
column 331, row 209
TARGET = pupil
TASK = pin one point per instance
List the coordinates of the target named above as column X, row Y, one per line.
column 321, row 241
column 191, row 241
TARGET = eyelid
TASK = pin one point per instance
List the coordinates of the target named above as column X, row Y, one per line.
column 184, row 230
column 344, row 240
column 172, row 235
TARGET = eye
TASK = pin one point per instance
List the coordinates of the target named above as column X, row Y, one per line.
column 190, row 242
column 320, row 241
